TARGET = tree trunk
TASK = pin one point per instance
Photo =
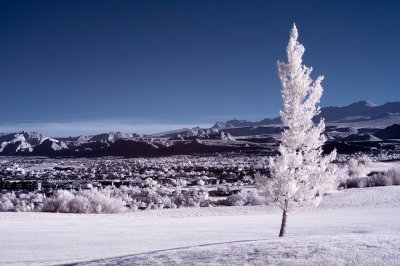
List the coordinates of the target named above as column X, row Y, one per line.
column 284, row 219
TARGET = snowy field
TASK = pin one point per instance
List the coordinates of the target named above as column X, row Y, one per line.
column 351, row 227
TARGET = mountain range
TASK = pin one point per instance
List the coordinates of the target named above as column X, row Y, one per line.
column 362, row 111
column 360, row 122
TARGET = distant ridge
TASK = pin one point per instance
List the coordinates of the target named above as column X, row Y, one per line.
column 356, row 112
column 359, row 122
column 391, row 132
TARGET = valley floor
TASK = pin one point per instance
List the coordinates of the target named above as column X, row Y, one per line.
column 351, row 227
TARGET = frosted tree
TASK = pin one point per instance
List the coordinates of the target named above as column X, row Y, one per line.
column 300, row 174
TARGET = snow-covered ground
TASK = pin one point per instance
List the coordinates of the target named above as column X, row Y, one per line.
column 383, row 166
column 351, row 227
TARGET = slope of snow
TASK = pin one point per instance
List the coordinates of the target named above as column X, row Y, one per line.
column 27, row 141
column 349, row 227
column 111, row 136
column 329, row 250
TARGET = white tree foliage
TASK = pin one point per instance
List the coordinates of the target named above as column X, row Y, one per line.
column 300, row 174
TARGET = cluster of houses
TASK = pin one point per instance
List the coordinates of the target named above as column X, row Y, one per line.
column 46, row 174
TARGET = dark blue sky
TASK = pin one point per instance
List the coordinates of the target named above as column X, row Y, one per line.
column 70, row 67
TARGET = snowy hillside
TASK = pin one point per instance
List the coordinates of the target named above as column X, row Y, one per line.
column 26, row 142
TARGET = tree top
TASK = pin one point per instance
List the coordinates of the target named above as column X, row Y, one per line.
column 294, row 33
